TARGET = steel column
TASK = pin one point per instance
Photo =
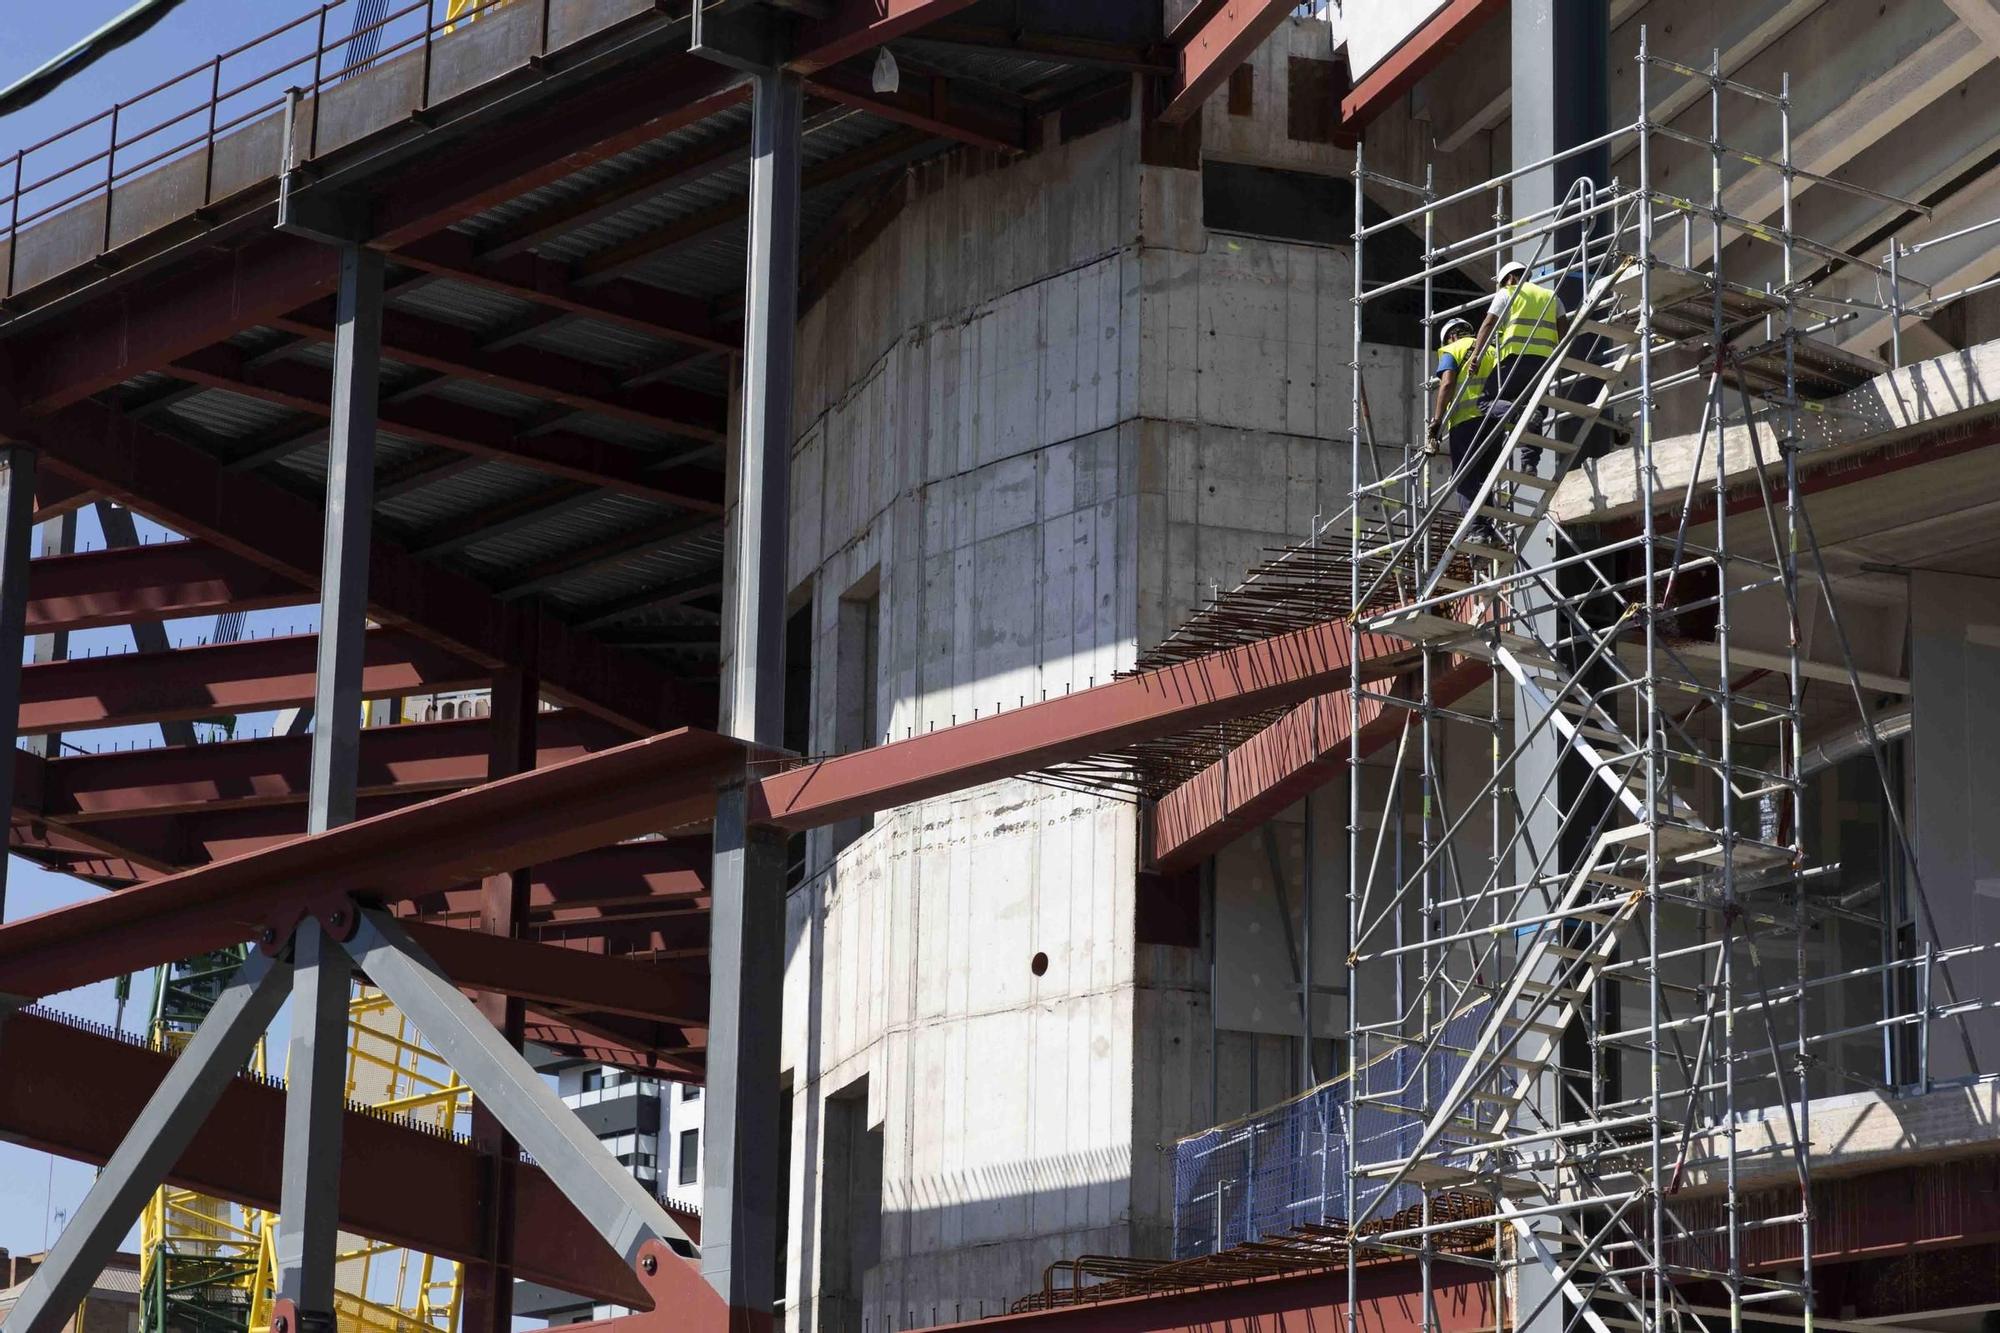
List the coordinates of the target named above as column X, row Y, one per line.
column 17, row 528
column 503, row 910
column 148, row 636
column 218, row 1052
column 743, row 1159
column 316, row 1064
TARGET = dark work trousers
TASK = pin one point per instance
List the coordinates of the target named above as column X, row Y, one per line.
column 1511, row 382
column 1472, row 476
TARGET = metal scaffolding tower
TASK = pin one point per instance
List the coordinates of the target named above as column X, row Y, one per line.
column 1599, row 963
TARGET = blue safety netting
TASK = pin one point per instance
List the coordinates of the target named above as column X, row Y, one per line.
column 1286, row 1167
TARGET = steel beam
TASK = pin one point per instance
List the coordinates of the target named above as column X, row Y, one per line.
column 17, row 534
column 856, row 26
column 742, row 1173
column 218, row 1051
column 644, row 787
column 169, row 581
column 933, row 104
column 189, row 492
column 560, row 980
column 1225, row 39
column 223, row 678
column 1270, row 673
column 1421, row 52
column 611, row 1200
column 466, row 430
column 415, row 757
column 643, row 309
column 533, row 373
column 74, row 1090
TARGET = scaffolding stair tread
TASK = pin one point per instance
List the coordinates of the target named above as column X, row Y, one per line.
column 1432, row 1174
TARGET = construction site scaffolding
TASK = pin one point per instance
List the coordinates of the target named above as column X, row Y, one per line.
column 1597, row 963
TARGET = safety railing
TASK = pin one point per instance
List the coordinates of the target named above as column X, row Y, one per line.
column 193, row 111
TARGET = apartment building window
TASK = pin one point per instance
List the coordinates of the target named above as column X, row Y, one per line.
column 689, row 1092
column 690, row 1156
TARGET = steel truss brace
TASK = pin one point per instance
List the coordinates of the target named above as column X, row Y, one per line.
column 609, row 1198
column 219, row 1051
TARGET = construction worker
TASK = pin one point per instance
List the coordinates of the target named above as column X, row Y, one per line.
column 1456, row 413
column 1524, row 323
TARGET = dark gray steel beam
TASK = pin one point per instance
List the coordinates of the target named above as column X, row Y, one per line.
column 17, row 530
column 610, row 1198
column 744, row 1158
column 173, row 1114
column 314, row 1105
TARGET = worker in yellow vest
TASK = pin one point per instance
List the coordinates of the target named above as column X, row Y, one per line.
column 1455, row 413
column 1523, row 323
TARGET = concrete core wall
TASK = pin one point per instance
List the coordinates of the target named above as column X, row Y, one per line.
column 1039, row 417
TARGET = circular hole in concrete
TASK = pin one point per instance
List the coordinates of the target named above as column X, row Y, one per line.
column 1039, row 964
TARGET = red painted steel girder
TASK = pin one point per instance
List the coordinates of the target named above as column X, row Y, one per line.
column 647, row 786
column 1223, row 39
column 1419, row 54
column 1270, row 673
column 662, row 873
column 1310, row 1302
column 855, row 26
column 568, row 979
column 273, row 770
column 1280, row 765
column 221, row 678
column 547, row 282
column 75, row 1092
column 119, row 585
column 308, row 389
column 663, row 783
column 596, row 1049
column 189, row 492
column 532, row 372
column 934, row 106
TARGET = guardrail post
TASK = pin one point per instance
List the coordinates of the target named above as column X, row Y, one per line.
column 214, row 101
column 110, row 174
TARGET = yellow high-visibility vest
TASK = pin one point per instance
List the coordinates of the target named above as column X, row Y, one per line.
column 1533, row 322
column 1471, row 379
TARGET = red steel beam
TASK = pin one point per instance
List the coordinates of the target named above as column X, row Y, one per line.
column 1419, row 54
column 862, row 25
column 119, row 585
column 188, row 491
column 647, row 786
column 74, row 1092
column 566, row 978
column 1212, row 51
column 928, row 105
column 664, row 783
column 1390, row 1301
column 1271, row 673
column 531, row 372
column 225, row 678
column 1280, row 765
column 272, row 770
column 468, row 430
column 547, row 282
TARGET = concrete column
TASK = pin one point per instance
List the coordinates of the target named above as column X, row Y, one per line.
column 744, row 1159
column 17, row 527
column 317, row 1058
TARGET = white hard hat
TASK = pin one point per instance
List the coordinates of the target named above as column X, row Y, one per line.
column 1455, row 326
column 1513, row 268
